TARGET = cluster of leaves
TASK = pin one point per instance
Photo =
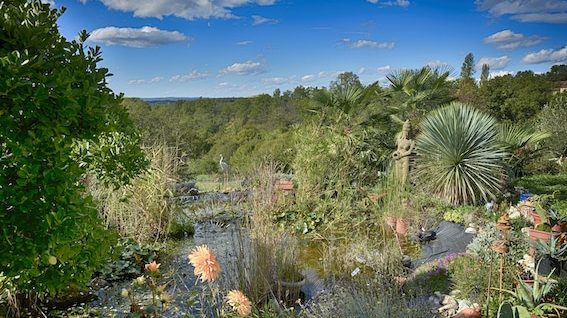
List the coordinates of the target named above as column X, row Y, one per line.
column 128, row 260
column 52, row 94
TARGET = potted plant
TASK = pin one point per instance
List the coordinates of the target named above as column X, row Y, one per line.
column 552, row 253
column 289, row 283
column 528, row 300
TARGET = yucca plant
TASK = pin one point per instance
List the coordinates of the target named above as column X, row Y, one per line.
column 458, row 157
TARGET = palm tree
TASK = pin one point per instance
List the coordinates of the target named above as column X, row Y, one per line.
column 521, row 144
column 417, row 86
column 459, row 157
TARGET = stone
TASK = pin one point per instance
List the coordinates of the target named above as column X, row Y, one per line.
column 403, row 154
column 470, row 230
column 514, row 213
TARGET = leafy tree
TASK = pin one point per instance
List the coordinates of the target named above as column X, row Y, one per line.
column 467, row 69
column 344, row 80
column 553, row 119
column 484, row 74
column 557, row 73
column 53, row 96
column 516, row 98
column 458, row 155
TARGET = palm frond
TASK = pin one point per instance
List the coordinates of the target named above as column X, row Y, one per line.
column 458, row 157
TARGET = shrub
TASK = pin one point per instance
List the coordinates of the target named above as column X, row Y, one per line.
column 458, row 157
column 52, row 94
column 457, row 215
column 142, row 210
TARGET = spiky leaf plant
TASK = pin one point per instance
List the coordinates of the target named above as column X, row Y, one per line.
column 458, row 157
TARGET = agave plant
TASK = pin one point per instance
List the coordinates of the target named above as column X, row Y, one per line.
column 458, row 155
column 527, row 300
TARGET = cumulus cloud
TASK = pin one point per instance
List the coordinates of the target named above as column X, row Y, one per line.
column 359, row 44
column 507, row 39
column 139, row 38
column 399, row 3
column 324, row 74
column 246, row 68
column 547, row 11
column 194, row 75
column 244, row 42
column 156, row 79
column 50, row 2
column 257, row 20
column 542, row 17
column 495, row 63
column 187, row 9
column 549, row 55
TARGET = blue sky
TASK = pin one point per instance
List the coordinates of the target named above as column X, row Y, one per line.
column 213, row 48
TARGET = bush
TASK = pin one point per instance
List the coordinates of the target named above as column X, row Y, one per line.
column 457, row 215
column 142, row 210
column 458, row 157
column 52, row 94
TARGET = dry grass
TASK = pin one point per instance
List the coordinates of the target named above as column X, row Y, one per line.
column 142, row 210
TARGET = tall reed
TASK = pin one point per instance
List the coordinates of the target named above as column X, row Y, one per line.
column 144, row 209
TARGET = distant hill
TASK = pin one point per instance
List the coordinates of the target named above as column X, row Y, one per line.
column 169, row 100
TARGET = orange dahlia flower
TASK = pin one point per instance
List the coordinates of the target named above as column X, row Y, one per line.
column 239, row 302
column 206, row 265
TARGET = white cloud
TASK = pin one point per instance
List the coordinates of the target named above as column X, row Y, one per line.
column 156, row 79
column 245, row 68
column 309, row 78
column 549, row 55
column 194, row 75
column 187, row 9
column 542, row 17
column 321, row 75
column 358, row 44
column 137, row 82
column 507, row 39
column 244, row 42
column 495, row 63
column 361, row 70
column 498, row 73
column 547, row 11
column 384, row 69
column 139, row 38
column 275, row 80
column 262, row 20
column 50, row 2
column 399, row 3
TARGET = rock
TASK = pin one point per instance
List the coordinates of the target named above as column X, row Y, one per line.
column 470, row 230
column 454, row 293
column 514, row 213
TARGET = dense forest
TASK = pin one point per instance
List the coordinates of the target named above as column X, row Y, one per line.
column 246, row 130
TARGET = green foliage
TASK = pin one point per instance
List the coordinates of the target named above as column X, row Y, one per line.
column 484, row 74
column 52, row 95
column 458, row 158
column 521, row 143
column 467, row 69
column 422, row 89
column 515, row 98
column 555, row 185
column 480, row 247
column 128, row 260
column 457, row 215
column 142, row 210
column 553, row 119
column 529, row 299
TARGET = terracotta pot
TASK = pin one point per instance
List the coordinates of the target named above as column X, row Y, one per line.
column 540, row 235
column 284, row 185
column 401, row 226
column 534, row 217
column 469, row 313
column 391, row 221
